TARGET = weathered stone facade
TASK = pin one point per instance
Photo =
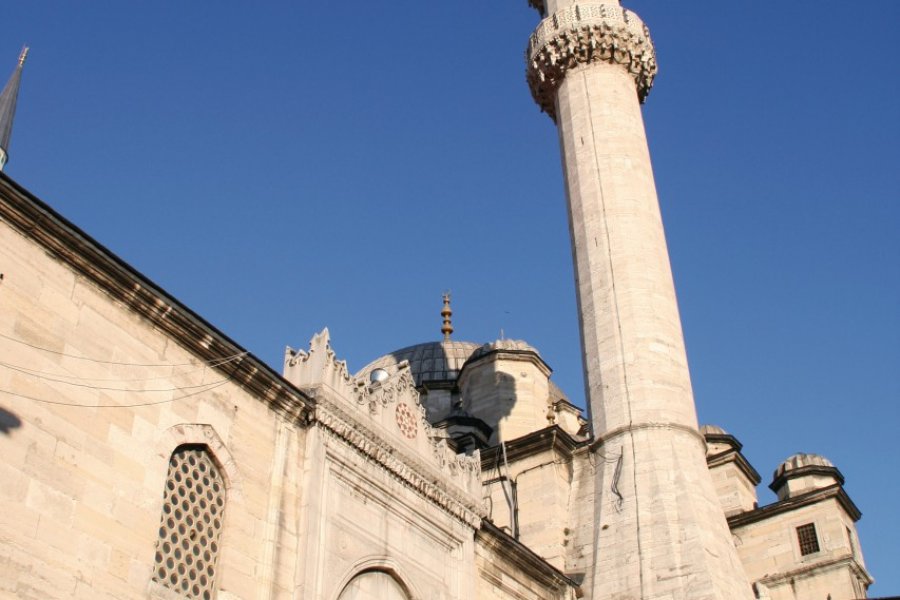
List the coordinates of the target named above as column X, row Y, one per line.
column 328, row 478
column 147, row 455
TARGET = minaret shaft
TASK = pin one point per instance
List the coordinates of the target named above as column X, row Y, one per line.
column 658, row 527
column 661, row 529
column 631, row 331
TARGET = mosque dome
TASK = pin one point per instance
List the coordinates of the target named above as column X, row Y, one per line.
column 505, row 345
column 803, row 461
column 428, row 362
column 712, row 430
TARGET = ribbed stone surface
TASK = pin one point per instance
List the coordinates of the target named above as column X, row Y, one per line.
column 431, row 361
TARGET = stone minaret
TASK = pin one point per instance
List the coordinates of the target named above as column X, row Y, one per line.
column 658, row 528
column 8, row 107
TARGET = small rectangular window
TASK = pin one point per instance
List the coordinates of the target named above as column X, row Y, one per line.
column 809, row 542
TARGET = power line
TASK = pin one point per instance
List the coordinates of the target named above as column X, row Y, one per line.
column 134, row 405
column 107, row 388
column 111, row 362
column 37, row 373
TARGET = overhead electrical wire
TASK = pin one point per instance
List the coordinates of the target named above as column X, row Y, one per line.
column 212, row 386
column 46, row 374
column 65, row 379
column 112, row 362
column 107, row 388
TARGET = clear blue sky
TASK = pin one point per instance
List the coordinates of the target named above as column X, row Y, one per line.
column 288, row 166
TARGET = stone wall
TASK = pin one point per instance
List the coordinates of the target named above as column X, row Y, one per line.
column 337, row 490
column 507, row 570
column 88, row 440
column 771, row 553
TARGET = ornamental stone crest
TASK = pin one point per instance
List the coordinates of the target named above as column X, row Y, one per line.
column 384, row 420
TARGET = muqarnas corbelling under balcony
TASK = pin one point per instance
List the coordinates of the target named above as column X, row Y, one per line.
column 583, row 34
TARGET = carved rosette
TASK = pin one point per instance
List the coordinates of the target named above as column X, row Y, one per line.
column 583, row 34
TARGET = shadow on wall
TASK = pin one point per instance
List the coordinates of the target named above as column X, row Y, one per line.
column 8, row 421
column 490, row 394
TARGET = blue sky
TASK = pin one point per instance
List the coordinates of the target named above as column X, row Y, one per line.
column 289, row 166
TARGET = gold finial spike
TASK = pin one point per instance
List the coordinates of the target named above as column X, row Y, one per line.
column 446, row 313
column 23, row 55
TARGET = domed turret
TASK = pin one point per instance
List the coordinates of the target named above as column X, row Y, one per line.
column 506, row 383
column 718, row 440
column 803, row 473
column 734, row 477
column 505, row 345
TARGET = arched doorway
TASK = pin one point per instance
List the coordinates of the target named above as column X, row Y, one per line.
column 373, row 585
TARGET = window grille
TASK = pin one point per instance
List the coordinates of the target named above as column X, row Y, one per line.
column 809, row 542
column 191, row 524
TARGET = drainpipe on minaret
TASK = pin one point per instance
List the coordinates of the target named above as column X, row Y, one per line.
column 659, row 530
column 8, row 98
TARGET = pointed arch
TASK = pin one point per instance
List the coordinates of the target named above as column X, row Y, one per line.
column 200, row 434
column 370, row 573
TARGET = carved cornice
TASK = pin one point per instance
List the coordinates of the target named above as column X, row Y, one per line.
column 762, row 513
column 782, row 477
column 583, row 34
column 811, row 570
column 550, row 438
column 734, row 456
column 413, row 474
column 86, row 257
column 523, row 557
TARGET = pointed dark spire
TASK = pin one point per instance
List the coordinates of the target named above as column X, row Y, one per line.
column 8, row 107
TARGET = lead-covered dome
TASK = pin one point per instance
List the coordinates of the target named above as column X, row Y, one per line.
column 802, row 460
column 428, row 362
column 712, row 430
column 802, row 473
column 504, row 345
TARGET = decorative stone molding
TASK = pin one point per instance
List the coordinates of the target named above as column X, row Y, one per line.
column 205, row 435
column 583, row 34
column 429, row 483
column 385, row 422
column 384, row 564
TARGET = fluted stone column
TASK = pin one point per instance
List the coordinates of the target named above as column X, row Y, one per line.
column 659, row 529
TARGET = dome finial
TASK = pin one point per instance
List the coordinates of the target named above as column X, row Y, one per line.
column 23, row 55
column 446, row 313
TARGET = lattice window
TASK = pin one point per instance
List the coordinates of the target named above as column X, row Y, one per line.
column 809, row 541
column 191, row 524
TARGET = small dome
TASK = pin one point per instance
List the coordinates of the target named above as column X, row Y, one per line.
column 510, row 345
column 712, row 430
column 800, row 460
column 431, row 361
column 803, row 472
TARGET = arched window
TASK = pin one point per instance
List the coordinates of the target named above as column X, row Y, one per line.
column 191, row 524
column 373, row 585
